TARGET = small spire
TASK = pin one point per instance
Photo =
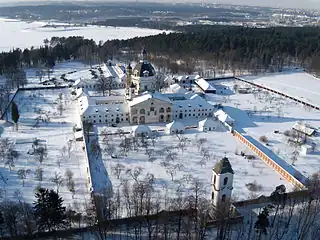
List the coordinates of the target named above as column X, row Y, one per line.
column 145, row 54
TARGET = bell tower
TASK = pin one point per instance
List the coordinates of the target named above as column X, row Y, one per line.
column 222, row 183
column 130, row 87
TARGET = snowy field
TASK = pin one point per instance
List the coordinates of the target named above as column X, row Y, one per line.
column 260, row 113
column 298, row 84
column 174, row 167
column 34, row 33
column 49, row 116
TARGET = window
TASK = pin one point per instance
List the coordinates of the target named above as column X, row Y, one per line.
column 161, row 110
column 214, row 179
column 142, row 111
column 225, row 181
column 212, row 195
column 168, row 109
column 151, row 109
column 223, row 199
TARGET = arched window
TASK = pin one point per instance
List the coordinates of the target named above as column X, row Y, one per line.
column 161, row 110
column 168, row 109
column 214, row 179
column 223, row 199
column 225, row 181
column 142, row 111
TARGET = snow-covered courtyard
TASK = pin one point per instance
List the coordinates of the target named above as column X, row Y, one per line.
column 45, row 143
column 174, row 163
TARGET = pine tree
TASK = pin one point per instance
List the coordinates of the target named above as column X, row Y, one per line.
column 15, row 113
column 49, row 212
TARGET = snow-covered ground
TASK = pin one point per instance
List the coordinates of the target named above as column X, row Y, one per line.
column 295, row 83
column 188, row 163
column 19, row 34
column 261, row 113
column 55, row 134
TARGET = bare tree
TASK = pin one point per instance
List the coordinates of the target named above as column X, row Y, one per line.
column 117, row 169
column 57, row 180
column 22, row 174
column 105, row 84
column 39, row 174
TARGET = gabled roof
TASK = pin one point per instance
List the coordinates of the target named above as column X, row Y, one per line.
column 141, row 129
column 223, row 166
column 147, row 96
column 208, row 122
column 175, row 125
column 223, row 116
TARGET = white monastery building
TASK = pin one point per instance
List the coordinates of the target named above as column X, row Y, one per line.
column 142, row 103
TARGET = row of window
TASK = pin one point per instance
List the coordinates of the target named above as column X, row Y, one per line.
column 194, row 115
column 113, row 85
column 195, row 110
column 117, row 120
column 152, row 109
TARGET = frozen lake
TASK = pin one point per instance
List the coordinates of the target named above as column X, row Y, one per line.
column 19, row 34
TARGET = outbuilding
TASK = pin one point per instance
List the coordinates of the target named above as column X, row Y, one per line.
column 141, row 131
column 208, row 124
column 175, row 127
column 224, row 117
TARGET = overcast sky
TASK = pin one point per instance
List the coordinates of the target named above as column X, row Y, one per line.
column 313, row 4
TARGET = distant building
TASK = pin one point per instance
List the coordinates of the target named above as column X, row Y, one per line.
column 110, row 71
column 222, row 183
column 205, row 86
column 187, row 81
column 304, row 129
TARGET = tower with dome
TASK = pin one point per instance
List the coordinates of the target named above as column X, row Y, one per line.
column 143, row 76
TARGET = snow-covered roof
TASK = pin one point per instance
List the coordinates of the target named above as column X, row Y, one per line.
column 303, row 128
column 208, row 122
column 110, row 70
column 176, row 88
column 223, row 117
column 204, row 85
column 175, row 125
column 147, row 96
column 188, row 100
column 141, row 129
column 188, row 77
column 102, row 105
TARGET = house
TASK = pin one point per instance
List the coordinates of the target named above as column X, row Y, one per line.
column 141, row 130
column 175, row 127
column 208, row 124
column 187, row 81
column 224, row 117
column 205, row 86
column 304, row 129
